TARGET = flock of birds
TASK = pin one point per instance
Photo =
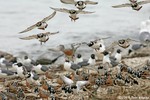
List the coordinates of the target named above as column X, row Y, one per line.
column 80, row 5
column 30, row 80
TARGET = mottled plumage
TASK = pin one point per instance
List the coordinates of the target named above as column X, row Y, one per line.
column 41, row 24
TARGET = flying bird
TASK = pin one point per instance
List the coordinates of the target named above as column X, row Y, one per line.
column 73, row 13
column 42, row 37
column 79, row 4
column 124, row 43
column 41, row 24
column 134, row 4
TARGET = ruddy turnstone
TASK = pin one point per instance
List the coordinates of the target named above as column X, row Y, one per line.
column 73, row 13
column 41, row 24
column 134, row 4
column 42, row 37
column 79, row 4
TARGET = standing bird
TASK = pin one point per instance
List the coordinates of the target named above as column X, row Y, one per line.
column 41, row 24
column 73, row 13
column 39, row 69
column 5, row 63
column 134, row 4
column 78, row 59
column 96, row 43
column 42, row 37
column 79, row 4
column 7, row 74
column 21, row 70
column 90, row 61
column 32, row 78
column 112, row 61
column 117, row 57
column 71, row 67
column 98, row 52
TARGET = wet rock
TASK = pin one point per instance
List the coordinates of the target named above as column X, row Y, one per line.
column 44, row 61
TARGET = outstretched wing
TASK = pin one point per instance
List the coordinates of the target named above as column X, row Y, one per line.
column 91, row 2
column 68, row 1
column 122, row 5
column 49, row 33
column 143, row 2
column 49, row 17
column 60, row 9
column 129, row 40
column 29, row 37
column 85, row 12
column 28, row 29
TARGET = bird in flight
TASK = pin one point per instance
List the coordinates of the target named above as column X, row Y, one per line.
column 41, row 24
column 134, row 4
column 79, row 4
column 42, row 37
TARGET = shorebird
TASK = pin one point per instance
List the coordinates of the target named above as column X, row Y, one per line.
column 98, row 51
column 21, row 70
column 79, row 4
column 96, row 43
column 71, row 67
column 73, row 13
column 117, row 57
column 111, row 61
column 78, row 59
column 42, row 37
column 124, row 43
column 41, row 24
column 5, row 63
column 90, row 61
column 134, row 4
column 7, row 73
column 39, row 69
column 69, row 82
column 32, row 78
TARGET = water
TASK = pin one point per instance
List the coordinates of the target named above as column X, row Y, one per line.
column 16, row 15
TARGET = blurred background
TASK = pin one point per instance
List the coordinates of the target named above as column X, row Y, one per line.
column 17, row 15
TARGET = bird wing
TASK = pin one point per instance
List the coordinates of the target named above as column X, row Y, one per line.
column 112, row 45
column 91, row 2
column 75, row 66
column 49, row 17
column 36, row 77
column 60, row 9
column 122, row 5
column 84, row 12
column 49, row 33
column 128, row 39
column 24, row 70
column 28, row 29
column 143, row 2
column 29, row 37
column 44, row 68
column 8, row 72
column 68, row 1
column 7, row 63
column 84, row 63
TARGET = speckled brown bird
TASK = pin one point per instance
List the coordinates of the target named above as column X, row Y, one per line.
column 41, row 24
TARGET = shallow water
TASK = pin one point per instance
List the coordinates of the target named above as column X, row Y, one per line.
column 16, row 15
